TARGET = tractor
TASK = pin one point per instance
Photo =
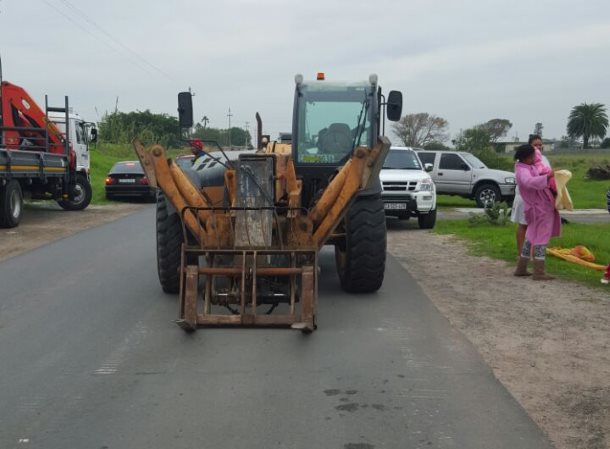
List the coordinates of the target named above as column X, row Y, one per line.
column 238, row 233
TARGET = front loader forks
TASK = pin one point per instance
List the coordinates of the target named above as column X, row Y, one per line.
column 247, row 270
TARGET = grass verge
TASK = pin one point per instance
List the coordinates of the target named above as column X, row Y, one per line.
column 498, row 242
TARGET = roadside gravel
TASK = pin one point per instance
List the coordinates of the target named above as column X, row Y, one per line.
column 547, row 342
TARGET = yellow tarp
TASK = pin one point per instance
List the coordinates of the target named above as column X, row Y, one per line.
column 579, row 255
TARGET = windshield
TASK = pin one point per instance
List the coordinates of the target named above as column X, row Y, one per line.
column 329, row 122
column 127, row 167
column 473, row 160
column 402, row 160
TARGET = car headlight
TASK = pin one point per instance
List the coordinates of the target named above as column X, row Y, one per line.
column 509, row 180
column 426, row 185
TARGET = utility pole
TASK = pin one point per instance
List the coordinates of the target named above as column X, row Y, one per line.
column 246, row 137
column 229, row 115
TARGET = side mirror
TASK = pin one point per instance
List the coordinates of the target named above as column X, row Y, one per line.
column 394, row 105
column 428, row 167
column 464, row 167
column 93, row 135
column 185, row 109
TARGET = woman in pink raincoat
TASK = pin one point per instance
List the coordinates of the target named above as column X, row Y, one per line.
column 543, row 220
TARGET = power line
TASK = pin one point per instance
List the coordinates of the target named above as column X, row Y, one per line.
column 96, row 37
column 121, row 44
column 111, row 46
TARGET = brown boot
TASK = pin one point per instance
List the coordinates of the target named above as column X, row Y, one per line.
column 522, row 267
column 539, row 274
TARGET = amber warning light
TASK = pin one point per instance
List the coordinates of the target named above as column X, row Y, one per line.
column 320, row 76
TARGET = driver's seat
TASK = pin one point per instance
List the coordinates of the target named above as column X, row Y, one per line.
column 337, row 139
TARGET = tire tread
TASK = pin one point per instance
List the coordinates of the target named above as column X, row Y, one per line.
column 169, row 242
column 366, row 246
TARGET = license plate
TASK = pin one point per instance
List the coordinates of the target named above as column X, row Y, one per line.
column 395, row 206
column 127, row 181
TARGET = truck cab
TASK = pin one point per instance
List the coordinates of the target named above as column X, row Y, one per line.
column 82, row 134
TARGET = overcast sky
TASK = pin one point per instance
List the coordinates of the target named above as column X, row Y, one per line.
column 467, row 61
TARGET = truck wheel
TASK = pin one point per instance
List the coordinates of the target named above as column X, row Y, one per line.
column 427, row 221
column 11, row 204
column 487, row 194
column 360, row 258
column 82, row 195
column 169, row 242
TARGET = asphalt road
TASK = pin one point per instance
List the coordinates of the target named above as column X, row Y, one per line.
column 90, row 358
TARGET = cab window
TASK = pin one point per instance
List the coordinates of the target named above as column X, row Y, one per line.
column 451, row 162
column 79, row 127
column 426, row 158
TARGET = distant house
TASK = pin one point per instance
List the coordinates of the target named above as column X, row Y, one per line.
column 510, row 147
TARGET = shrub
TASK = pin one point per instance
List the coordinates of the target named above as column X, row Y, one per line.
column 497, row 214
column 599, row 172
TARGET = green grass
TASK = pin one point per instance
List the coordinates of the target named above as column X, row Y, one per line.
column 103, row 157
column 450, row 201
column 498, row 242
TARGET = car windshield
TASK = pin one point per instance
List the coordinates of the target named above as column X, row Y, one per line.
column 402, row 160
column 474, row 161
column 127, row 167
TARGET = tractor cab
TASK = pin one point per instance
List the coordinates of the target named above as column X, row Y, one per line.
column 330, row 119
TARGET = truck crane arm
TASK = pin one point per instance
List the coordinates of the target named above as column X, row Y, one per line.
column 22, row 119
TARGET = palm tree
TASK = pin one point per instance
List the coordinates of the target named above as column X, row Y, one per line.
column 588, row 120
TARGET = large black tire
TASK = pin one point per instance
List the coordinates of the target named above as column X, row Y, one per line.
column 487, row 194
column 427, row 221
column 11, row 204
column 82, row 196
column 360, row 259
column 169, row 243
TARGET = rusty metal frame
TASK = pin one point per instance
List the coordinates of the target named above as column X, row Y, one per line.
column 196, row 306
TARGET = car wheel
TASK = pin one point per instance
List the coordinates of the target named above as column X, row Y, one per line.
column 427, row 221
column 487, row 194
column 11, row 204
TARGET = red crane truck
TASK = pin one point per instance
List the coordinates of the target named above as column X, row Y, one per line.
column 43, row 154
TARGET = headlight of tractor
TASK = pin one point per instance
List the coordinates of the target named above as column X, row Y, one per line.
column 426, row 185
column 509, row 180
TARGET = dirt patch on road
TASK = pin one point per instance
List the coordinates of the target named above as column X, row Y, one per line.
column 547, row 342
column 42, row 223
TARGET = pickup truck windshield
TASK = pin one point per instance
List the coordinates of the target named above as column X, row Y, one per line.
column 474, row 161
column 328, row 123
column 402, row 160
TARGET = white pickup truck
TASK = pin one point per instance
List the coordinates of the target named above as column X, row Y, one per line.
column 408, row 191
column 463, row 174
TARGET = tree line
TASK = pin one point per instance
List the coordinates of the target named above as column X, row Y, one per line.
column 423, row 130
column 122, row 127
